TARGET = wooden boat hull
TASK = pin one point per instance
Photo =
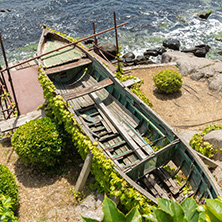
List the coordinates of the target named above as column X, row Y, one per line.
column 127, row 129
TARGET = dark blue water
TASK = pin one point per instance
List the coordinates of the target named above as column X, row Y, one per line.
column 150, row 22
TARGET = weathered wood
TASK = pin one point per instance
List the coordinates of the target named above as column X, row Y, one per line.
column 130, row 82
column 139, row 188
column 88, row 90
column 81, row 62
column 84, row 173
column 15, row 122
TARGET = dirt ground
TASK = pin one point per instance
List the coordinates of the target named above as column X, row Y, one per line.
column 44, row 197
column 49, row 197
column 192, row 108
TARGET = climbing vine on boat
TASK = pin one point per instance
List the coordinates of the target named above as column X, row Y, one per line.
column 102, row 167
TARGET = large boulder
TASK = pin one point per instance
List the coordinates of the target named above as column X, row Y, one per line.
column 215, row 138
column 199, row 50
column 111, row 49
column 172, row 44
column 187, row 62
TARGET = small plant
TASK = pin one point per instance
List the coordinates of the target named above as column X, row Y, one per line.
column 8, row 186
column 137, row 91
column 38, row 142
column 201, row 146
column 168, row 81
column 6, row 213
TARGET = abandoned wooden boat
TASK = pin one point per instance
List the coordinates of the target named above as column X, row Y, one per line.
column 127, row 129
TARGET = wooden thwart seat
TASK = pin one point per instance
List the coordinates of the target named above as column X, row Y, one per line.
column 88, row 90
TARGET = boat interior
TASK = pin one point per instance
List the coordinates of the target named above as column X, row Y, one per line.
column 145, row 150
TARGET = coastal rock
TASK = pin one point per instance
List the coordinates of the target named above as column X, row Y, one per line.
column 160, row 50
column 187, row 62
column 204, row 15
column 129, row 61
column 129, row 55
column 199, row 68
column 89, row 41
column 215, row 83
column 150, row 52
column 5, row 10
column 196, row 76
column 111, row 49
column 215, row 138
column 140, row 60
column 199, row 50
column 171, row 44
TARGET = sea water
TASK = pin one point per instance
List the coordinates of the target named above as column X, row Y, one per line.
column 149, row 23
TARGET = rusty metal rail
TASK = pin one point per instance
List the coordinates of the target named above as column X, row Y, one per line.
column 73, row 43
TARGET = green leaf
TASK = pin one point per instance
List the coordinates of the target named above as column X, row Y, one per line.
column 162, row 216
column 111, row 213
column 190, row 209
column 133, row 216
column 215, row 207
column 164, row 204
column 84, row 219
column 178, row 212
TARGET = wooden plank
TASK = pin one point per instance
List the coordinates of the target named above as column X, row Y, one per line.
column 88, row 90
column 15, row 122
column 136, row 186
column 121, row 130
column 130, row 82
column 84, row 173
column 68, row 66
column 160, row 191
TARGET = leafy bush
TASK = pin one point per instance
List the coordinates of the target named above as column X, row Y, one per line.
column 112, row 214
column 201, row 146
column 8, row 186
column 38, row 142
column 168, row 81
column 137, row 91
column 6, row 213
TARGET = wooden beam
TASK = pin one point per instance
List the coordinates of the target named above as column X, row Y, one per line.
column 88, row 90
column 84, row 173
column 68, row 66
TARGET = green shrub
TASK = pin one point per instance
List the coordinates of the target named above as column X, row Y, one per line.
column 168, row 81
column 38, row 142
column 8, row 186
column 201, row 146
column 6, row 213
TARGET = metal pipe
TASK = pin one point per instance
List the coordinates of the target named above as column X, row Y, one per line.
column 9, row 75
column 117, row 44
column 70, row 44
column 94, row 32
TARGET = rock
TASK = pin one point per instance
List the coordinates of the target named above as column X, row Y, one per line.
column 187, row 135
column 91, row 207
column 215, row 138
column 5, row 10
column 89, row 41
column 160, row 50
column 204, row 15
column 171, row 44
column 140, row 60
column 110, row 48
column 129, row 55
column 215, row 83
column 150, row 52
column 197, row 76
column 187, row 62
column 199, row 50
